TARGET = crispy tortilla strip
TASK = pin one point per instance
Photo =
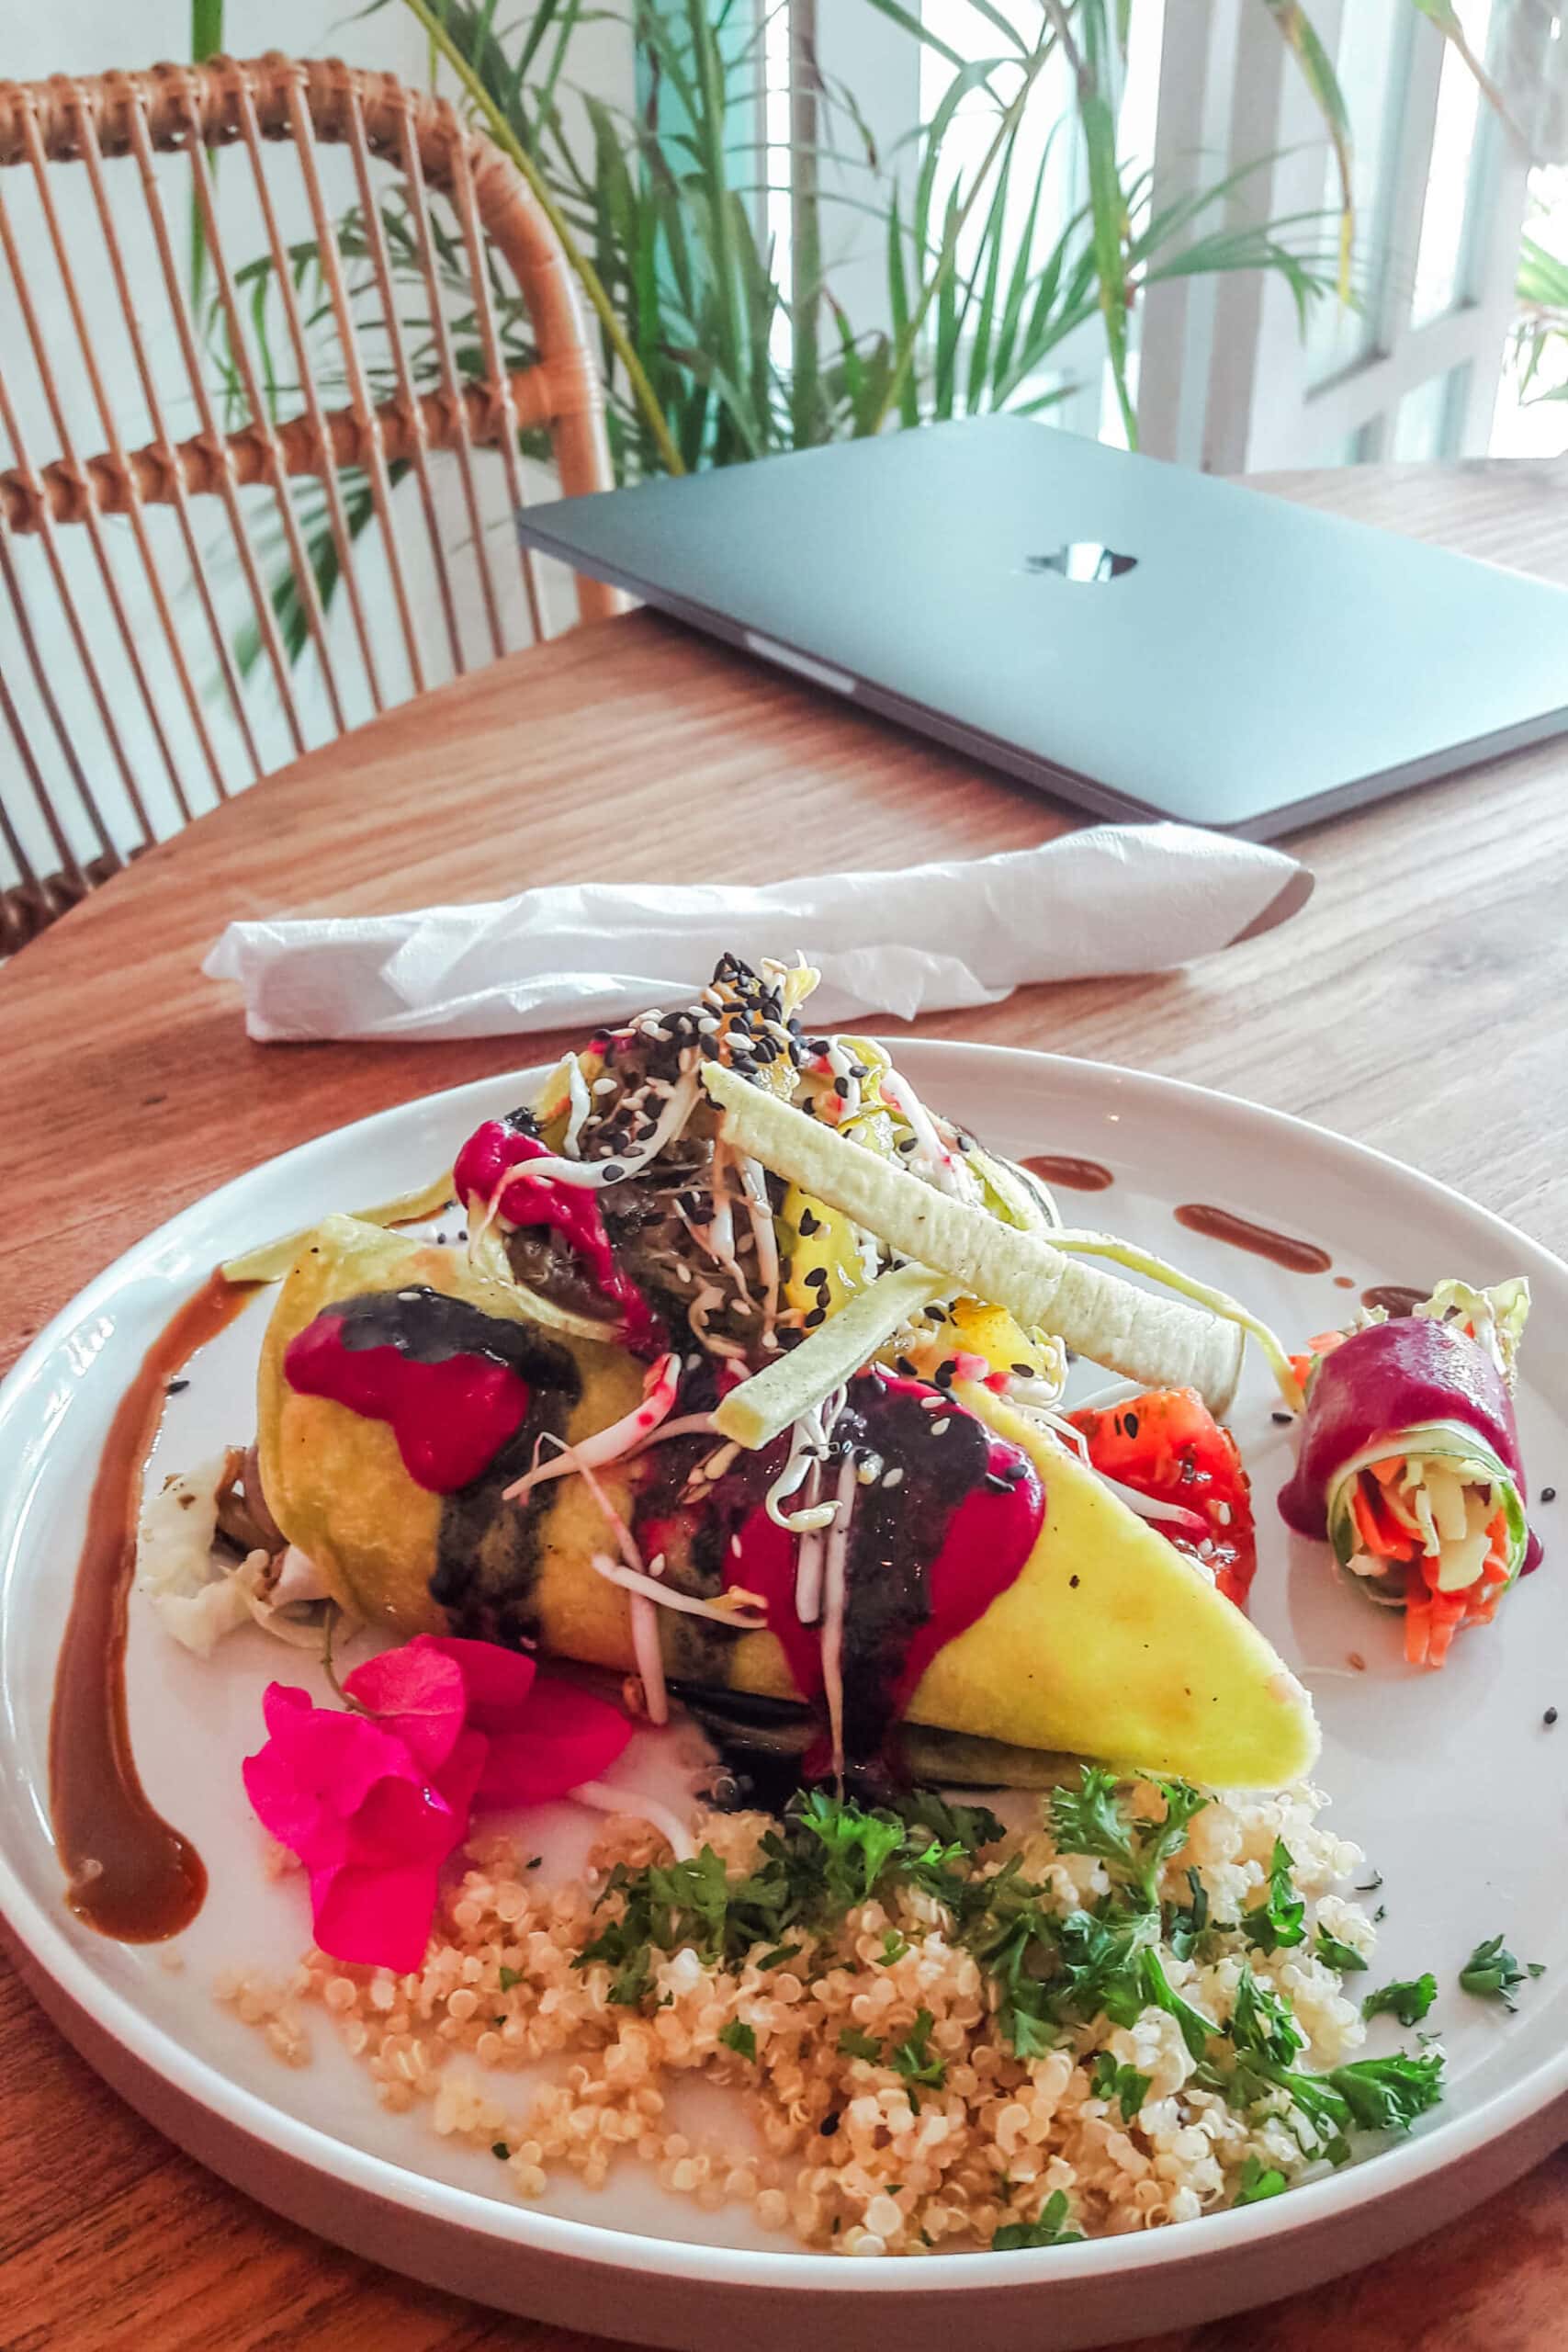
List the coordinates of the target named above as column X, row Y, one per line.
column 1160, row 1341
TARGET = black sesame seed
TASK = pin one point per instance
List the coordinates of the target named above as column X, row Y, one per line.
column 1549, row 1494
column 1023, row 1371
column 1549, row 1716
column 818, row 1277
column 810, row 1223
column 817, row 1315
column 1284, row 1419
column 1129, row 1424
column 614, row 1172
column 1073, row 1582
column 842, row 1089
column 902, row 1364
column 174, row 1387
column 827, row 2126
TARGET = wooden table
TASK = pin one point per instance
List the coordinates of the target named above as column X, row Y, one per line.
column 1436, row 944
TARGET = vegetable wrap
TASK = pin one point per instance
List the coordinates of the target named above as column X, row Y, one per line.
column 995, row 1586
column 1410, row 1463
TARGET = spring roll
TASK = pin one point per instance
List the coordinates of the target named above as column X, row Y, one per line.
column 1410, row 1464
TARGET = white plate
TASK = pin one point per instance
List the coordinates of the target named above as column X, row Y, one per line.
column 1452, row 1782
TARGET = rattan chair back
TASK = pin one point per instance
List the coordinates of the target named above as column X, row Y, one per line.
column 240, row 506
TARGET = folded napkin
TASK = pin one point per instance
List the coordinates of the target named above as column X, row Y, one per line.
column 578, row 955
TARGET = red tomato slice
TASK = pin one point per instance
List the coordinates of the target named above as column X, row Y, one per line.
column 1168, row 1445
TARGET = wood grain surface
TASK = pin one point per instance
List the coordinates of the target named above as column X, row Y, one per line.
column 1436, row 944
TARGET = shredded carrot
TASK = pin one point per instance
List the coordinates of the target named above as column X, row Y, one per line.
column 1418, row 1631
column 1385, row 1473
column 1380, row 1534
column 1371, row 1535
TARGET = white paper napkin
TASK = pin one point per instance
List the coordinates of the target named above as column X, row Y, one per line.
column 1111, row 898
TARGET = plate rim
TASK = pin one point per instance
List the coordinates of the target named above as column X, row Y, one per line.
column 1321, row 2204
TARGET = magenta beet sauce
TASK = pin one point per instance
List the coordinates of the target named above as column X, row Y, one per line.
column 1389, row 1378
column 491, row 1153
column 451, row 1415
column 927, row 1556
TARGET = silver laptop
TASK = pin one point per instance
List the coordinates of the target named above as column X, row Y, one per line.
column 1134, row 638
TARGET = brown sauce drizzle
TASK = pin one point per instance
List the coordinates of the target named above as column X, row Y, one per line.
column 1077, row 1175
column 1394, row 1298
column 1221, row 1225
column 129, row 1873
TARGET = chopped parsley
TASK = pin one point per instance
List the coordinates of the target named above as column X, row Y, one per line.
column 1188, row 1921
column 827, row 1855
column 1408, row 1998
column 1049, row 2229
column 1491, row 1972
column 916, row 2061
column 739, row 2038
column 1089, row 1820
column 509, row 1977
column 1123, row 2085
column 1335, row 1954
column 1259, row 2180
column 499, row 2148
column 853, row 2043
column 1051, row 1973
column 1277, row 1922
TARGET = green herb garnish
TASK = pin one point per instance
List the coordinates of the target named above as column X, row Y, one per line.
column 1335, row 1954
column 1122, row 2085
column 853, row 2043
column 1258, row 2181
column 509, row 1977
column 1277, row 1922
column 1047, row 2231
column 740, row 2038
column 1408, row 1998
column 915, row 2060
column 1089, row 1820
column 1491, row 1972
column 1188, row 1922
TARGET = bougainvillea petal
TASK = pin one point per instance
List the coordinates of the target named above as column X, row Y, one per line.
column 567, row 1737
column 403, row 1821
column 417, row 1693
column 459, row 1777
column 375, row 1916
column 315, row 1772
column 373, row 1802
column 497, row 1681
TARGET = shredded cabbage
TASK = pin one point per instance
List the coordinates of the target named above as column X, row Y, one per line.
column 1497, row 1316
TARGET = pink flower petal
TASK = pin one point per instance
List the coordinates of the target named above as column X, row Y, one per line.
column 460, row 1776
column 417, row 1694
column 403, row 1821
column 377, row 1917
column 315, row 1772
column 497, row 1681
column 568, row 1737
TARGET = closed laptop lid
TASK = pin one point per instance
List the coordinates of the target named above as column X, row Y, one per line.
column 1185, row 646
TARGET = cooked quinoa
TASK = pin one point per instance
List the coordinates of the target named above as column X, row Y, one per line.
column 873, row 2058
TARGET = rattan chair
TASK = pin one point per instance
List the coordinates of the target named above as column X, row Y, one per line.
column 284, row 406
